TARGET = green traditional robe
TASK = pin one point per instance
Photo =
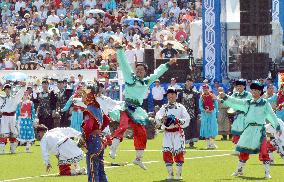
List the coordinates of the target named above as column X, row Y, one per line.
column 135, row 90
column 238, row 125
column 256, row 113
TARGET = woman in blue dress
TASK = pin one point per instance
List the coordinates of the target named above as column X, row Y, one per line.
column 208, row 106
column 25, row 117
column 77, row 109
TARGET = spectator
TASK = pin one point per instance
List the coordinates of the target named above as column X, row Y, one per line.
column 158, row 94
column 169, row 52
column 149, row 13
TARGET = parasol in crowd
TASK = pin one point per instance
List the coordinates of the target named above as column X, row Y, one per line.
column 96, row 11
column 76, row 43
column 108, row 52
column 176, row 45
column 15, row 76
column 130, row 21
column 165, row 33
column 6, row 47
column 105, row 37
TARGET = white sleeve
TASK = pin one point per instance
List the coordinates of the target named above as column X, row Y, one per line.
column 44, row 150
column 159, row 115
column 112, row 103
column 70, row 132
column 19, row 95
column 185, row 118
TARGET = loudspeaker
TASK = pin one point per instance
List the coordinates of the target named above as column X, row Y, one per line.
column 255, row 17
column 254, row 65
column 180, row 71
column 245, row 5
column 149, row 59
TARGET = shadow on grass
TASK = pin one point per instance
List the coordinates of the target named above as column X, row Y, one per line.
column 16, row 153
column 169, row 180
column 229, row 179
column 270, row 164
column 251, row 178
column 277, row 164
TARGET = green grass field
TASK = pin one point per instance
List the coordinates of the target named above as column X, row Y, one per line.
column 200, row 165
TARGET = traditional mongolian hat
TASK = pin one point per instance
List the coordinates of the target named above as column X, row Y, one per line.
column 241, row 82
column 257, row 86
column 7, row 85
column 171, row 90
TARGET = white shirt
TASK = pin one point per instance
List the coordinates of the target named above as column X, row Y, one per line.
column 25, row 39
column 130, row 55
column 19, row 5
column 52, row 19
column 8, row 64
column 91, row 3
column 179, row 111
column 139, row 53
column 90, row 21
column 52, row 138
column 12, row 101
column 38, row 4
column 176, row 11
column 158, row 93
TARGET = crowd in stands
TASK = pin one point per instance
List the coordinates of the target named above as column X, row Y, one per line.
column 80, row 34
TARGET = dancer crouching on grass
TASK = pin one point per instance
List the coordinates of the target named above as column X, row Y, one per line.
column 58, row 142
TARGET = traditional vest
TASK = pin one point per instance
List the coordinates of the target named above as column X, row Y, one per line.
column 208, row 102
column 280, row 99
column 26, row 110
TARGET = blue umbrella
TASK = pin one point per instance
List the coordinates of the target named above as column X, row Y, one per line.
column 15, row 76
column 130, row 21
column 105, row 36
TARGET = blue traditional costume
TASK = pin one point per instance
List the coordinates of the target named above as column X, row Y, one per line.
column 75, row 101
column 131, row 113
column 209, row 125
column 253, row 139
column 25, row 116
column 94, row 122
column 238, row 125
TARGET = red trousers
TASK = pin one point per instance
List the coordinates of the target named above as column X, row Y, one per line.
column 235, row 139
column 139, row 131
column 169, row 158
column 65, row 170
column 263, row 154
column 11, row 140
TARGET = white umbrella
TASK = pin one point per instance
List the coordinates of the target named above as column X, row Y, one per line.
column 15, row 76
column 96, row 11
column 176, row 45
column 165, row 33
column 6, row 47
column 76, row 43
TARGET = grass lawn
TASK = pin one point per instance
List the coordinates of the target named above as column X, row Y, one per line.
column 200, row 165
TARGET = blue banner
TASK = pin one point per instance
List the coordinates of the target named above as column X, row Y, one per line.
column 211, row 35
column 281, row 15
column 278, row 13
